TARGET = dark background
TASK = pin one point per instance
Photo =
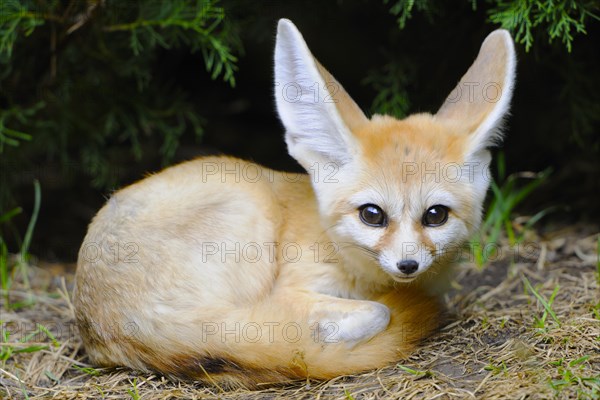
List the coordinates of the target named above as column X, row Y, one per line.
column 352, row 39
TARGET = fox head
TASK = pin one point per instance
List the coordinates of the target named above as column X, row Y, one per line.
column 397, row 194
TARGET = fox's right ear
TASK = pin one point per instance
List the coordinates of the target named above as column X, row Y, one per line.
column 479, row 103
column 316, row 111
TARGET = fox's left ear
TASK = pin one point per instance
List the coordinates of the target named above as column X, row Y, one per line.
column 318, row 115
column 479, row 103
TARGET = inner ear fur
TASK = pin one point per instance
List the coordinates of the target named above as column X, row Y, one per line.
column 321, row 116
column 481, row 100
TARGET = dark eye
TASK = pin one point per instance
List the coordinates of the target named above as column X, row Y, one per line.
column 372, row 215
column 435, row 216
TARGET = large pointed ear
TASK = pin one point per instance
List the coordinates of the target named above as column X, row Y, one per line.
column 316, row 111
column 480, row 101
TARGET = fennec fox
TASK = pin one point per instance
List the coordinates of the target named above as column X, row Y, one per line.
column 226, row 272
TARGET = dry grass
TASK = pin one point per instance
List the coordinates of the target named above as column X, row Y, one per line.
column 496, row 342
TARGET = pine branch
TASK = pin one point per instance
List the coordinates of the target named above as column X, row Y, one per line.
column 561, row 19
column 176, row 23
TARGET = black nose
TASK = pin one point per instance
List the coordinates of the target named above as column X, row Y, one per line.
column 408, row 266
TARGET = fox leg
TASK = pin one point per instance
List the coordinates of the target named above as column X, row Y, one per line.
column 337, row 320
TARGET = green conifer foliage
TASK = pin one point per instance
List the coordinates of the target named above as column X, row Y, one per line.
column 60, row 65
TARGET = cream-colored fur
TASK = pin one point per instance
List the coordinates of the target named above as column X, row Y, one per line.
column 221, row 270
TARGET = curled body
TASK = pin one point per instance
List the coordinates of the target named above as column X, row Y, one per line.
column 221, row 270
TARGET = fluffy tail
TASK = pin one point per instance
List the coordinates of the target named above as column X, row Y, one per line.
column 272, row 343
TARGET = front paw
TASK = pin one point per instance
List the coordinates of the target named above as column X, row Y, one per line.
column 353, row 326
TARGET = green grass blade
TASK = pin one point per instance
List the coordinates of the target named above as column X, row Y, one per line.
column 24, row 253
column 34, row 216
column 547, row 305
column 31, row 349
column 598, row 260
column 49, row 334
column 10, row 214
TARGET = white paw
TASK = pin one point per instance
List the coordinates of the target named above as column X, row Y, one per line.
column 355, row 326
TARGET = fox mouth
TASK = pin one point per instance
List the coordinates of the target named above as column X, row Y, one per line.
column 404, row 279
